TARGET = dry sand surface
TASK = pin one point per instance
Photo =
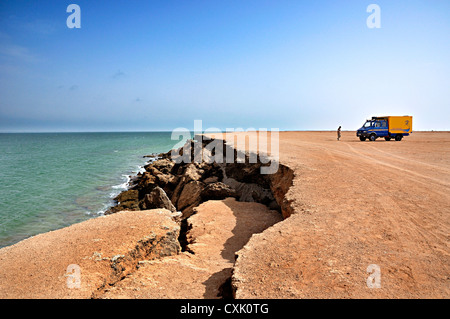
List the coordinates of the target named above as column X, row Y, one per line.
column 217, row 231
column 353, row 204
column 356, row 204
column 105, row 249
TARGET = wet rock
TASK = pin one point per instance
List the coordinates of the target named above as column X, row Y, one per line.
column 129, row 195
column 155, row 156
column 127, row 200
column 164, row 155
column 128, row 205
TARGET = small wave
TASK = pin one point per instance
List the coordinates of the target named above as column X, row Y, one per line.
column 113, row 194
column 141, row 169
column 117, row 189
column 123, row 186
column 120, row 186
column 102, row 211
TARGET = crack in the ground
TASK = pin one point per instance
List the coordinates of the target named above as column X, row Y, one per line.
column 240, row 180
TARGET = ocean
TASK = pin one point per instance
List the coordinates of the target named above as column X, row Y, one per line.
column 53, row 180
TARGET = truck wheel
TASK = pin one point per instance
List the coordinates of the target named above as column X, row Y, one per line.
column 372, row 137
column 387, row 138
column 362, row 138
column 398, row 137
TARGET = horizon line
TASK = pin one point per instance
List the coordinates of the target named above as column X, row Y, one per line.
column 167, row 131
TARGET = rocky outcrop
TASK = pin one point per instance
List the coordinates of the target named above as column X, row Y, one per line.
column 186, row 185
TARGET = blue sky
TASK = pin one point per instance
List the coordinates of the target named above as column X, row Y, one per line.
column 159, row 65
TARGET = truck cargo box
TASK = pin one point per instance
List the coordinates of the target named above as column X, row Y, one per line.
column 400, row 124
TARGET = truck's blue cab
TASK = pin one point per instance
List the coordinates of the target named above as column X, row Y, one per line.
column 375, row 128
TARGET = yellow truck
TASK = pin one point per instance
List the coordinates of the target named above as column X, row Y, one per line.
column 389, row 127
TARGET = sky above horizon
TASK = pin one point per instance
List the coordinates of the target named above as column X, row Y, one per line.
column 160, row 65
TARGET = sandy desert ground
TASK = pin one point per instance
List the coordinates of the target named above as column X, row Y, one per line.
column 357, row 204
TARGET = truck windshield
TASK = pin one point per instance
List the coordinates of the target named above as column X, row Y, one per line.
column 368, row 124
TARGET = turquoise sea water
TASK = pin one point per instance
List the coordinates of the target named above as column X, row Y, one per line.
column 52, row 180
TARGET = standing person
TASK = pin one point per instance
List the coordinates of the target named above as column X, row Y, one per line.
column 339, row 133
